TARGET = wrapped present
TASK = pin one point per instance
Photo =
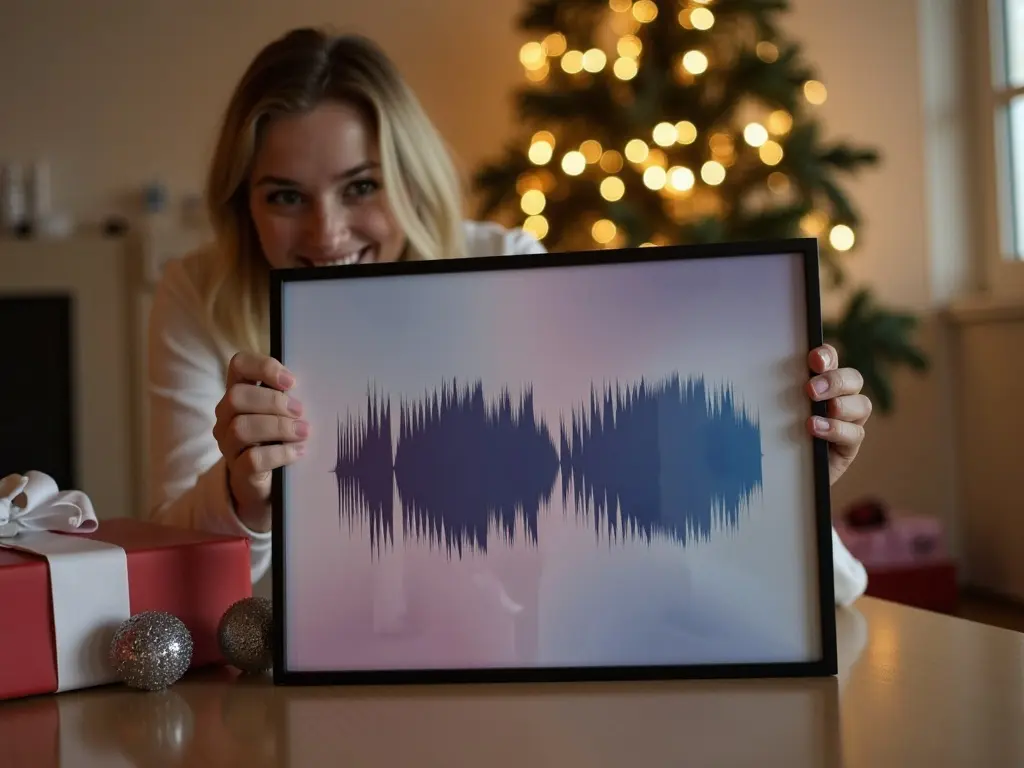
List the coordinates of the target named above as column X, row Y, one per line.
column 906, row 556
column 67, row 583
column 881, row 539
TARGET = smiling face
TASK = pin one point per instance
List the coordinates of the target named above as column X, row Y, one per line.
column 317, row 192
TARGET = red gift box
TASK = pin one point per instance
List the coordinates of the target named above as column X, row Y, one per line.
column 193, row 575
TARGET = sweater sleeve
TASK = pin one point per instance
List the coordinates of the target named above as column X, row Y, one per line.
column 188, row 480
column 851, row 579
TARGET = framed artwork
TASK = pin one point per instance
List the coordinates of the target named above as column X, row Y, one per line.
column 573, row 466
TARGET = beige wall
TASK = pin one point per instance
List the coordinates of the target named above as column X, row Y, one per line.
column 118, row 92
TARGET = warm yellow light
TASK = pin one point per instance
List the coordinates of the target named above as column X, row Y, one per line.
column 767, row 52
column 645, row 11
column 647, row 245
column 532, row 55
column 536, row 226
column 771, row 153
column 540, row 152
column 681, row 178
column 612, row 189
column 620, row 6
column 712, row 172
column 721, row 144
column 572, row 61
column 755, row 134
column 656, row 157
column 554, row 44
column 779, row 122
column 684, row 18
column 611, row 161
column 625, row 68
column 841, row 237
column 665, row 134
column 629, row 46
column 702, row 18
column 538, row 75
column 655, row 177
column 815, row 92
column 527, row 181
column 574, row 163
column 814, row 223
column 594, row 60
column 591, row 150
column 695, row 62
column 603, row 231
column 623, row 24
column 547, row 136
column 636, row 150
column 687, row 132
column 778, row 182
column 532, row 202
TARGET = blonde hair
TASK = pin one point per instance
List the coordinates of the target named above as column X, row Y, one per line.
column 294, row 74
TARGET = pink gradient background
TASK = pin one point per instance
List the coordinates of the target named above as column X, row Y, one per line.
column 576, row 598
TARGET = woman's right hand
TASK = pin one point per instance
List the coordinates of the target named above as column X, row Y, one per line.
column 259, row 428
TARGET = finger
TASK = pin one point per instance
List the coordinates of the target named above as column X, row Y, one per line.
column 251, row 429
column 855, row 408
column 246, row 367
column 249, row 398
column 261, row 459
column 842, row 381
column 823, row 358
column 844, row 435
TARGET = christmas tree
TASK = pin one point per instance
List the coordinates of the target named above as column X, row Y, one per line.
column 653, row 122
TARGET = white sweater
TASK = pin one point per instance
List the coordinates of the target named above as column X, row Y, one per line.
column 187, row 371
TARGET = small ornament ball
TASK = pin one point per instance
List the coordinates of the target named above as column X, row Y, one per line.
column 245, row 635
column 151, row 650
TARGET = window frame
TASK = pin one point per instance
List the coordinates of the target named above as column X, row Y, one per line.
column 1003, row 268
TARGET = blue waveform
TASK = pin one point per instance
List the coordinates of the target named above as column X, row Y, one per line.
column 663, row 457
column 363, row 469
column 646, row 459
column 461, row 465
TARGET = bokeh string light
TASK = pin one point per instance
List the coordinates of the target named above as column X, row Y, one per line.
column 654, row 156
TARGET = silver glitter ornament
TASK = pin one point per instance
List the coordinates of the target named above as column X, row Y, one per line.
column 245, row 634
column 151, row 650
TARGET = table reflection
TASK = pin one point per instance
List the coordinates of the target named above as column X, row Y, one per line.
column 219, row 717
column 228, row 720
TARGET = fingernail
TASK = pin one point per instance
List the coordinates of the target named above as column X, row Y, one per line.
column 301, row 429
column 285, row 380
column 300, row 449
column 826, row 358
column 820, row 386
column 820, row 424
column 294, row 407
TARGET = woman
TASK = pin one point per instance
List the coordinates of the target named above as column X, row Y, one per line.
column 324, row 157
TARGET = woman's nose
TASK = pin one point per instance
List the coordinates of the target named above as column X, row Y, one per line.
column 329, row 230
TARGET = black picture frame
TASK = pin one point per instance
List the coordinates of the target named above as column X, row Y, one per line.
column 826, row 664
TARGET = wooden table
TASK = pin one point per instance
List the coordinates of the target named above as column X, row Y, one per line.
column 916, row 689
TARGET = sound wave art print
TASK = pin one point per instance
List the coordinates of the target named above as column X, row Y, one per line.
column 561, row 466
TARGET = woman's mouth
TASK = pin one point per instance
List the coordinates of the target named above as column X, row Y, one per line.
column 355, row 257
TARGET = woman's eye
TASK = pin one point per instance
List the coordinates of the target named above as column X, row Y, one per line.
column 284, row 197
column 361, row 188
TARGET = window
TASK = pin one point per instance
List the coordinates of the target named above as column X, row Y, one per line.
column 1001, row 44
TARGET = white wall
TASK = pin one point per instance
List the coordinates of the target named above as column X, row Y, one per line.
column 118, row 92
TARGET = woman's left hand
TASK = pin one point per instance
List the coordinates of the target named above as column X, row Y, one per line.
column 848, row 409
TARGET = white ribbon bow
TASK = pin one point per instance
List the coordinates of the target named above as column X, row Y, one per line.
column 33, row 502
